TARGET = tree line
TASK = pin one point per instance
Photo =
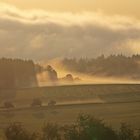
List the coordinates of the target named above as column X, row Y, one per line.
column 113, row 66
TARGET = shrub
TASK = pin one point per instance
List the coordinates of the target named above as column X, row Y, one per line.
column 52, row 103
column 88, row 128
column 126, row 133
column 8, row 105
column 16, row 132
column 36, row 102
column 51, row 132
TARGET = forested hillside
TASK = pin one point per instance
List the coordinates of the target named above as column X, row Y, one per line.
column 113, row 66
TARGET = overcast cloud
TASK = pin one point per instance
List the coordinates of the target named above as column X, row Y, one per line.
column 42, row 35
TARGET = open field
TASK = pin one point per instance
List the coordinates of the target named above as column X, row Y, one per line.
column 113, row 103
column 73, row 94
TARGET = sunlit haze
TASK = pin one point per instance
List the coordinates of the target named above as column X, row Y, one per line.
column 69, row 69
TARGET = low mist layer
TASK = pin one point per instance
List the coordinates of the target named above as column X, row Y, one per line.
column 17, row 73
column 112, row 69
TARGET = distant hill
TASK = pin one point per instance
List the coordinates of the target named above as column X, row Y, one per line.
column 17, row 73
column 111, row 66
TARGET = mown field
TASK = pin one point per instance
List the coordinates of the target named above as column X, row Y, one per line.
column 115, row 103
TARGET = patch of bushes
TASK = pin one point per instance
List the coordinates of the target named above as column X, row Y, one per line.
column 16, row 131
column 85, row 128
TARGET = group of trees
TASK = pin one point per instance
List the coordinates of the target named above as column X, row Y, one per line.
column 113, row 65
column 17, row 73
column 36, row 102
column 50, row 72
column 52, row 76
column 85, row 128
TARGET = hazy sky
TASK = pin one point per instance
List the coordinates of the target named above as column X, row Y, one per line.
column 123, row 7
column 68, row 28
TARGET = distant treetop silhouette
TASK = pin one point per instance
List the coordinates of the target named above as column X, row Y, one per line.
column 111, row 66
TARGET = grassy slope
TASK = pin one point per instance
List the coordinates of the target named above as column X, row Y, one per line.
column 112, row 113
column 61, row 94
